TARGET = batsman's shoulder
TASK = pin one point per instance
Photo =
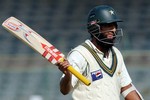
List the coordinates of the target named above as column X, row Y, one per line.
column 77, row 49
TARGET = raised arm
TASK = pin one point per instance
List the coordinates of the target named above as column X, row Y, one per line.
column 65, row 82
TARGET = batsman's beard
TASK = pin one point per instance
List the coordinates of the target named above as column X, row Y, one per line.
column 104, row 42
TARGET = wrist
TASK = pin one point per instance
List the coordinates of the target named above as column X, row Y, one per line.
column 68, row 76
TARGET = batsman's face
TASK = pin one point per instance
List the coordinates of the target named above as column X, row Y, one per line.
column 108, row 31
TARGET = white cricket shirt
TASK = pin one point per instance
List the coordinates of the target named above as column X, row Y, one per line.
column 103, row 85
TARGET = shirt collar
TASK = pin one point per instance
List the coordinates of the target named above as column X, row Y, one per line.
column 95, row 48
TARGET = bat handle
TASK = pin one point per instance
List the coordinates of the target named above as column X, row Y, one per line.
column 79, row 76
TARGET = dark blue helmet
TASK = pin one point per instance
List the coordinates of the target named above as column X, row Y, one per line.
column 103, row 14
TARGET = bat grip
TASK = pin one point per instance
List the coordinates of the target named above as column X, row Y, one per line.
column 79, row 76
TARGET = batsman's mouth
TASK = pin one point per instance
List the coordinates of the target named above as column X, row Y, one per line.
column 110, row 36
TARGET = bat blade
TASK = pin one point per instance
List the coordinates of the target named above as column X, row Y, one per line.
column 38, row 43
column 33, row 39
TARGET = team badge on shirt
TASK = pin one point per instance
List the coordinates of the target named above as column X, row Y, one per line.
column 96, row 75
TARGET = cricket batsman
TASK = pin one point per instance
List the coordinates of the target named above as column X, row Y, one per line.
column 99, row 61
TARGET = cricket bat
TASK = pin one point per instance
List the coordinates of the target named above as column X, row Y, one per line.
column 39, row 44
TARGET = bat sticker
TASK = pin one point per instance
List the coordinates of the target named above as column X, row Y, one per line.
column 12, row 26
column 53, row 52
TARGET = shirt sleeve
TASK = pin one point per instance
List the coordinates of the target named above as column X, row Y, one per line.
column 78, row 62
column 125, row 77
